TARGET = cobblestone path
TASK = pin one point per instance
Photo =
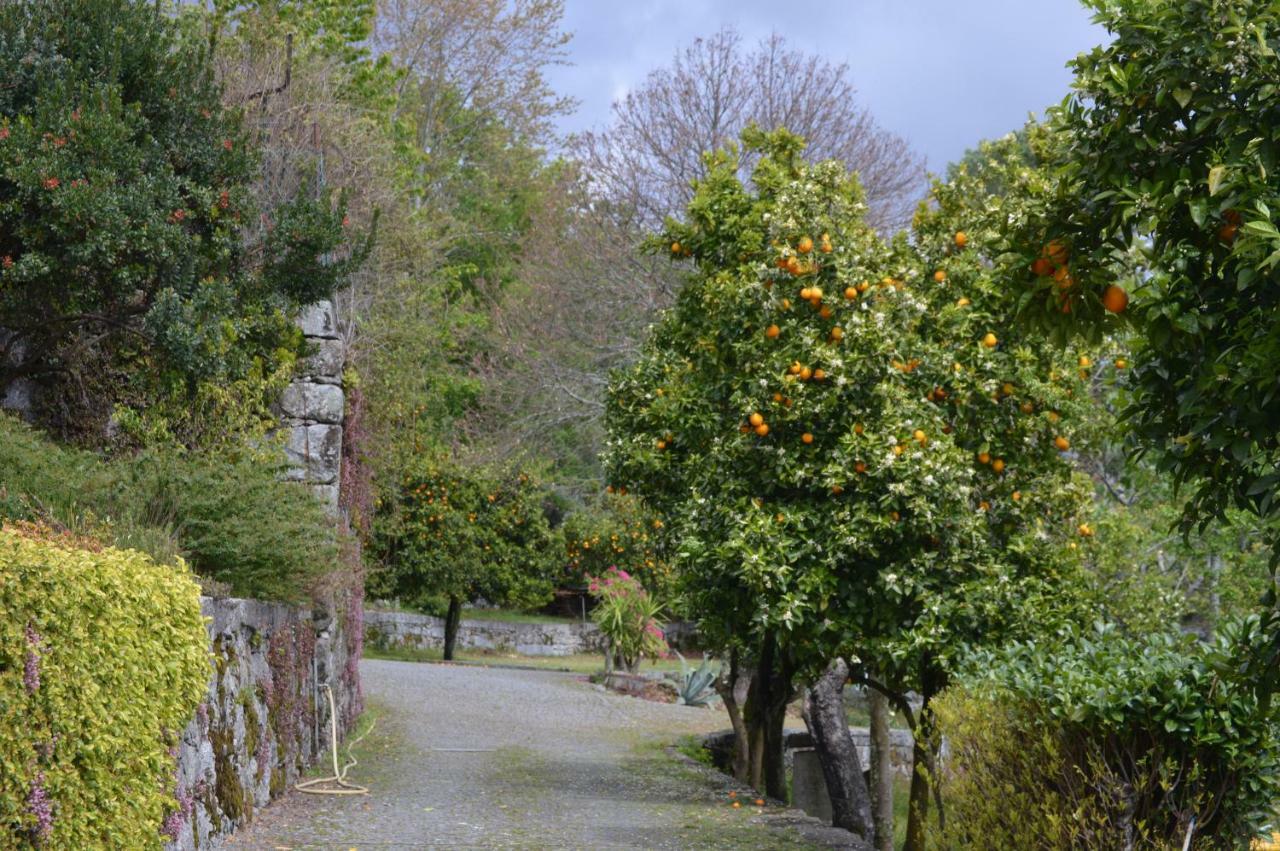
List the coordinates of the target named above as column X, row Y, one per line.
column 471, row 757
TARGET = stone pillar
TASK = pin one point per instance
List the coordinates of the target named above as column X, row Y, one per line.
column 312, row 407
column 809, row 785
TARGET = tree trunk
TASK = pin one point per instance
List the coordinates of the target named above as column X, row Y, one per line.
column 765, row 714
column 452, row 619
column 728, row 689
column 881, row 771
column 922, row 758
column 841, row 768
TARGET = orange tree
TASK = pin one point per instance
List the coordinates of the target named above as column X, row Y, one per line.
column 465, row 534
column 852, row 455
column 618, row 531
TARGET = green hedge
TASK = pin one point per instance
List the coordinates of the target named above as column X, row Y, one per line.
column 230, row 517
column 1107, row 741
column 103, row 660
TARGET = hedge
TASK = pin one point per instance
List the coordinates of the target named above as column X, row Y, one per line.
column 103, row 660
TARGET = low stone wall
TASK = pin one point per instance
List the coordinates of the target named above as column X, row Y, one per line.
column 264, row 720
column 404, row 629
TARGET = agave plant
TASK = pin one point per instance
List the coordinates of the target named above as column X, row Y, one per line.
column 696, row 685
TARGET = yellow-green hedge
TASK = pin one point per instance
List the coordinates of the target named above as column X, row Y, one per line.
column 103, row 660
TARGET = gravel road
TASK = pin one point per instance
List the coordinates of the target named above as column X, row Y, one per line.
column 471, row 757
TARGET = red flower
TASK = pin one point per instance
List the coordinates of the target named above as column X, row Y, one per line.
column 177, row 215
column 52, row 183
column 226, row 144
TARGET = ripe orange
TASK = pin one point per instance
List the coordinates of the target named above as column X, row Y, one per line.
column 895, row 516
column 818, row 375
column 662, row 444
column 806, row 374
column 984, row 458
column 1006, row 389
column 1085, row 530
column 1042, row 267
column 899, row 449
column 806, row 293
column 962, row 302
column 793, row 266
column 772, row 332
column 1057, row 252
column 1027, row 407
column 837, row 333
column 939, row 276
column 984, row 506
column 786, row 304
column 805, row 245
column 1054, row 416
column 863, row 286
column 762, row 429
column 1063, row 276
column 806, row 438
column 1017, row 495
column 1084, row 362
column 919, row 436
column 1121, row 363
column 860, row 467
column 836, row 490
column 777, row 397
column 825, row 247
column 961, row 239
column 756, row 419
column 990, row 340
column 759, row 802
column 857, row 428
column 815, row 293
column 1115, row 299
column 825, row 312
column 795, row 368
column 1062, row 443
column 850, row 293
column 998, row 465
column 675, row 248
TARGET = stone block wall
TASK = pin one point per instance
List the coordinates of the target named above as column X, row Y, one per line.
column 264, row 720
column 405, row 629
column 312, row 407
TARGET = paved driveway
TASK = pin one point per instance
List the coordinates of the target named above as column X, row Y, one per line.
column 470, row 757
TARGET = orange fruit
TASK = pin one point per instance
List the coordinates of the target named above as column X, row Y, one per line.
column 895, row 516
column 795, row 368
column 863, row 286
column 1057, row 252
column 850, row 293
column 899, row 449
column 756, row 419
column 962, row 302
column 759, row 802
column 961, row 239
column 806, row 293
column 919, row 436
column 793, row 266
column 662, row 444
column 1115, row 299
column 772, row 332
column 984, row 506
column 786, row 304
column 805, row 245
column 762, row 429
column 806, row 374
column 736, row 805
column 998, row 465
column 675, row 248
column 837, row 333
column 818, row 375
column 857, row 428
column 836, row 490
column 806, row 438
column 1227, row 233
column 1007, row 389
column 1085, row 530
column 777, row 397
column 1084, row 362
column 939, row 276
column 1054, row 416
column 1063, row 276
column 825, row 312
column 860, row 467
column 990, row 340
column 1042, row 267
column 984, row 458
column 1061, row 443
column 1027, row 407
column 1017, row 495
column 1121, row 363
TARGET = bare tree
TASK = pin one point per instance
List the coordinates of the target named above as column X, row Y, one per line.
column 650, row 154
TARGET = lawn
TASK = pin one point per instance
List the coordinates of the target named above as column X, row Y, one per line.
column 578, row 663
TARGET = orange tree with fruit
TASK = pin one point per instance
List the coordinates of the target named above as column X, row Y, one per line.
column 617, row 531
column 459, row 533
column 853, row 455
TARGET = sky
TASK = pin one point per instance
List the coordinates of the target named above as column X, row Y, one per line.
column 941, row 73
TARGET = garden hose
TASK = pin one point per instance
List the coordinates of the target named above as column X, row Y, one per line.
column 339, row 775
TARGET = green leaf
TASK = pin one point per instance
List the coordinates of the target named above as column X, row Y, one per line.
column 1182, row 96
column 1216, row 176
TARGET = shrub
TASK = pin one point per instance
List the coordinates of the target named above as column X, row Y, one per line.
column 231, row 516
column 628, row 617
column 1109, row 742
column 103, row 660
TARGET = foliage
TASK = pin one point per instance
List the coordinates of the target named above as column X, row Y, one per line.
column 628, row 616
column 466, row 534
column 103, row 659
column 136, row 266
column 230, row 515
column 1160, row 176
column 617, row 532
column 697, row 685
column 1102, row 740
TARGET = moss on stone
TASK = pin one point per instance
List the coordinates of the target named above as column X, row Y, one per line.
column 232, row 799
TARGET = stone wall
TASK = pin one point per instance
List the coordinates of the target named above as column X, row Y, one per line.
column 264, row 719
column 403, row 629
column 312, row 407
column 901, row 745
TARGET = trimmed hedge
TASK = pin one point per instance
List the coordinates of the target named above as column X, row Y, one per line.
column 103, row 660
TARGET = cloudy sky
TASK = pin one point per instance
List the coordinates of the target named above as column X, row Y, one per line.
column 939, row 72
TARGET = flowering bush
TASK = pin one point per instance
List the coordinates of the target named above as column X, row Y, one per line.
column 628, row 616
column 619, row 532
column 103, row 659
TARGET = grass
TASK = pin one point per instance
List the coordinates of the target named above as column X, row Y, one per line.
column 578, row 663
